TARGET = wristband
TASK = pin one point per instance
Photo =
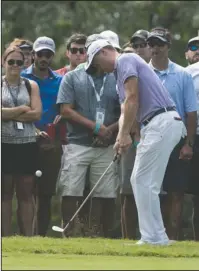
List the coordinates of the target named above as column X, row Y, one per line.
column 97, row 128
column 135, row 143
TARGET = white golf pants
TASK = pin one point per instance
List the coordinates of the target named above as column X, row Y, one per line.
column 158, row 139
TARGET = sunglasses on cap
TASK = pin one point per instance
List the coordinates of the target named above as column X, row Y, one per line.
column 156, row 42
column 19, row 63
column 193, row 48
column 141, row 45
column 47, row 54
column 75, row 50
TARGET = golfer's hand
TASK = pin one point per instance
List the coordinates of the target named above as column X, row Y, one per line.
column 123, row 142
column 186, row 153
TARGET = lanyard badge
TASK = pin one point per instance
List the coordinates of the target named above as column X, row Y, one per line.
column 100, row 112
column 100, row 115
column 19, row 125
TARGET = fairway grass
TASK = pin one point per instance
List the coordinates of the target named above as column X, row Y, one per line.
column 21, row 261
column 39, row 253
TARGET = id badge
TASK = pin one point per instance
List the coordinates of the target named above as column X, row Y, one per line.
column 100, row 115
column 19, row 125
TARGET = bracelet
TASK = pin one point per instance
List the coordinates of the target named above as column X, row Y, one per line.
column 97, row 128
column 135, row 143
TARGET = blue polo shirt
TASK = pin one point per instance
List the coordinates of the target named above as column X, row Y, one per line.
column 48, row 91
column 180, row 86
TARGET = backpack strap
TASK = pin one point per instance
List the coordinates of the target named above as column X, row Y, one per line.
column 28, row 85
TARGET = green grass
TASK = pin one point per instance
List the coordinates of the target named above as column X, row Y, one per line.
column 78, row 253
column 77, row 262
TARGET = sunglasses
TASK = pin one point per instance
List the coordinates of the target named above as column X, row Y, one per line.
column 141, row 45
column 47, row 54
column 158, row 43
column 75, row 50
column 19, row 63
column 127, row 51
column 193, row 48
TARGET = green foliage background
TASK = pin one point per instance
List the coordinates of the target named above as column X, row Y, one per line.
column 59, row 19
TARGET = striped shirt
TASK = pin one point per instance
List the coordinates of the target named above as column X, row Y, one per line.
column 9, row 133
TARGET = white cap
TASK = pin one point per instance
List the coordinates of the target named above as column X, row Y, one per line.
column 44, row 43
column 94, row 48
column 112, row 37
column 193, row 39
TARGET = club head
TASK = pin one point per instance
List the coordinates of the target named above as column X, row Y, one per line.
column 58, row 229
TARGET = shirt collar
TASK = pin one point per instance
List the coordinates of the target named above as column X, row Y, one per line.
column 170, row 68
column 52, row 74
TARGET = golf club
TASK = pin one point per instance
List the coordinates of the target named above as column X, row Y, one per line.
column 58, row 229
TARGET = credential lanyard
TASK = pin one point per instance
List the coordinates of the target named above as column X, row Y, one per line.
column 98, row 95
column 165, row 77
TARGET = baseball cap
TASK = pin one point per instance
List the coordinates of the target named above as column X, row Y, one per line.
column 44, row 43
column 141, row 34
column 193, row 39
column 94, row 48
column 92, row 38
column 24, row 46
column 161, row 35
column 112, row 37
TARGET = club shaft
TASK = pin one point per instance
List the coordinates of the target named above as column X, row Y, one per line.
column 78, row 210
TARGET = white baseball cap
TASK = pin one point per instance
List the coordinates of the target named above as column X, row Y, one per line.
column 44, row 43
column 193, row 39
column 94, row 48
column 112, row 37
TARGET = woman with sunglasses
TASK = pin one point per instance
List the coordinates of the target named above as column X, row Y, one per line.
column 19, row 150
column 26, row 46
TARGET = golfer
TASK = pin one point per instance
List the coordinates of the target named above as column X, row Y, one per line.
column 143, row 97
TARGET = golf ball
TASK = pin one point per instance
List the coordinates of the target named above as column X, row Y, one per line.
column 38, row 173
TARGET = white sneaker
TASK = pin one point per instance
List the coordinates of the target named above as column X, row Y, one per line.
column 140, row 243
column 167, row 243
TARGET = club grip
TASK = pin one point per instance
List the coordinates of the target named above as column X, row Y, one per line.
column 116, row 157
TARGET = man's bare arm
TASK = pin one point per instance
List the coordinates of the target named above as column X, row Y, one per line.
column 67, row 112
column 191, row 124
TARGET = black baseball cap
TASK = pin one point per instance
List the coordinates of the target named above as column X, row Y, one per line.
column 161, row 35
column 141, row 34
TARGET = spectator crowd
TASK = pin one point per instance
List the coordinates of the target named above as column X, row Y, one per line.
column 65, row 124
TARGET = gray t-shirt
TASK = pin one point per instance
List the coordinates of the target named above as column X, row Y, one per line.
column 77, row 89
column 152, row 94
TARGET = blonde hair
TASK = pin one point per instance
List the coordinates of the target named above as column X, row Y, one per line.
column 19, row 42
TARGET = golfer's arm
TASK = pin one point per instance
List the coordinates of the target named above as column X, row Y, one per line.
column 67, row 112
column 130, row 106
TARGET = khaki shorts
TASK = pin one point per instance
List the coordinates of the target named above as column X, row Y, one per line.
column 125, row 170
column 75, row 162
